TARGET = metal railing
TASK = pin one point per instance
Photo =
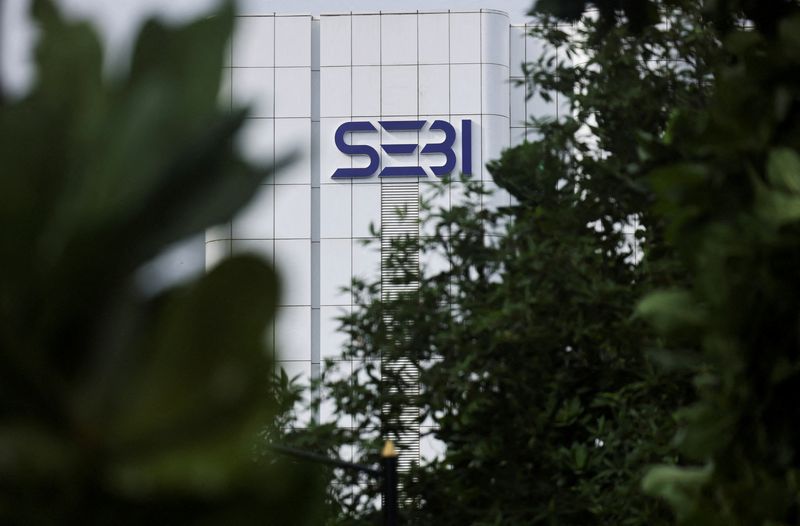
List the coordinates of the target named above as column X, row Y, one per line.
column 387, row 473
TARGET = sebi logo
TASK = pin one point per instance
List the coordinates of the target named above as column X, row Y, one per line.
column 445, row 148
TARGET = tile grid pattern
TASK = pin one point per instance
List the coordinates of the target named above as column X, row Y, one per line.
column 269, row 70
column 316, row 311
column 447, row 82
column 275, row 66
column 292, row 337
column 400, row 195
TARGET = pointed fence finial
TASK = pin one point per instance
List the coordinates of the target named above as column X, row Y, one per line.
column 388, row 449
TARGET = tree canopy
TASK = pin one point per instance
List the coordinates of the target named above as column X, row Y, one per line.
column 727, row 181
column 543, row 387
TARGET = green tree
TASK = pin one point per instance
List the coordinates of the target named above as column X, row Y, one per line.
column 116, row 408
column 529, row 357
column 728, row 184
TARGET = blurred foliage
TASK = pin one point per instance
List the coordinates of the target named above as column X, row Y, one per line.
column 534, row 372
column 728, row 183
column 636, row 14
column 640, row 15
column 117, row 408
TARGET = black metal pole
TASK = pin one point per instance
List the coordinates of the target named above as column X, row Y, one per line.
column 3, row 7
column 390, row 501
column 388, row 474
column 322, row 459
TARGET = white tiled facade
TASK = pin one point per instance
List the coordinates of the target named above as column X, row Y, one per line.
column 303, row 77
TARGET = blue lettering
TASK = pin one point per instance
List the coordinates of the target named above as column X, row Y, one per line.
column 445, row 147
column 401, row 149
column 466, row 147
column 356, row 149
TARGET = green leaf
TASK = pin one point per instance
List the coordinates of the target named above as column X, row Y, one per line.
column 564, row 9
column 189, row 58
column 69, row 63
column 783, row 169
column 671, row 310
column 777, row 207
column 679, row 486
column 779, row 203
column 580, row 456
column 789, row 30
column 203, row 358
column 672, row 180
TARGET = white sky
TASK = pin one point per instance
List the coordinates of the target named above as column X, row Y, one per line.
column 118, row 20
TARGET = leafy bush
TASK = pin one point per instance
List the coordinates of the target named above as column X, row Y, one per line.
column 117, row 408
column 532, row 369
column 728, row 183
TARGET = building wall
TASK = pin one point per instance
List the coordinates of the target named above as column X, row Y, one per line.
column 270, row 70
column 303, row 78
